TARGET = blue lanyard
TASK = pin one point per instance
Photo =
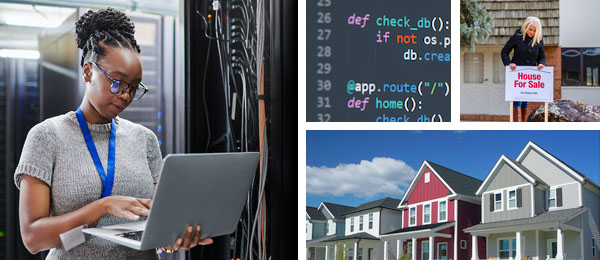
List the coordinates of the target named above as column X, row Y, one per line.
column 107, row 179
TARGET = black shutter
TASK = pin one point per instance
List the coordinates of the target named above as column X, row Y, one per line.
column 559, row 197
column 492, row 202
column 519, row 198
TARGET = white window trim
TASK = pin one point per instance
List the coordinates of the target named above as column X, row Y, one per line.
column 427, row 177
column 501, row 201
column 555, row 199
column 423, row 214
column 409, row 249
column 409, row 224
column 423, row 248
column 440, row 211
column 461, row 244
column 508, row 199
column 351, row 224
column 360, row 222
column 371, row 218
column 510, row 249
column 437, row 248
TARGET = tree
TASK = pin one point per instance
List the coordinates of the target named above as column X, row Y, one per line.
column 475, row 24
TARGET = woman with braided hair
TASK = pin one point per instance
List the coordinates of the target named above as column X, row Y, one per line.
column 63, row 156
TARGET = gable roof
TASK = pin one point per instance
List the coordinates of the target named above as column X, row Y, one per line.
column 518, row 167
column 458, row 183
column 336, row 210
column 567, row 168
column 386, row 203
column 315, row 214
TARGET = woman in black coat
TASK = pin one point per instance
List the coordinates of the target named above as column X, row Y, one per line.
column 529, row 51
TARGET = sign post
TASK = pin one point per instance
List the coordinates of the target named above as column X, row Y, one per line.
column 527, row 83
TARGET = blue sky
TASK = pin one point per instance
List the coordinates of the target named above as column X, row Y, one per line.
column 401, row 153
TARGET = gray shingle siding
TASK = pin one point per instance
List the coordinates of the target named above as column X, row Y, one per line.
column 545, row 169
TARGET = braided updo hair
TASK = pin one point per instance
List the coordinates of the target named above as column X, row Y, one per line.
column 107, row 27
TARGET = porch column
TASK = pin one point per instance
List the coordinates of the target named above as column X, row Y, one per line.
column 326, row 252
column 518, row 254
column 335, row 251
column 414, row 248
column 431, row 248
column 474, row 249
column 385, row 251
column 355, row 257
column 559, row 244
column 399, row 251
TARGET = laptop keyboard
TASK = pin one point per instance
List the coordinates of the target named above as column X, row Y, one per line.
column 135, row 235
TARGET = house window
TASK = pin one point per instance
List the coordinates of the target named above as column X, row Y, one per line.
column 409, row 249
column 473, row 68
column 360, row 223
column 507, row 248
column 580, row 66
column 427, row 214
column 498, row 201
column 499, row 69
column 425, row 250
column 370, row 220
column 512, row 199
column 443, row 211
column 426, row 177
column 593, row 247
column 463, row 244
column 360, row 254
column 552, row 198
column 350, row 254
column 412, row 216
column 352, row 224
column 327, row 228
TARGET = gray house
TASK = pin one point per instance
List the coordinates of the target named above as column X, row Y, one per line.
column 323, row 223
column 538, row 207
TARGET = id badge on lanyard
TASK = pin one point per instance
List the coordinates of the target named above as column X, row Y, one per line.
column 108, row 177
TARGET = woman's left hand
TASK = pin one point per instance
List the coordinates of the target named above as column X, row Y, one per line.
column 190, row 240
column 540, row 66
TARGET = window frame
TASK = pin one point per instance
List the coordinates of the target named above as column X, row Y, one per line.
column 427, row 177
column 415, row 216
column 427, row 204
column 423, row 249
column 551, row 198
column 371, row 220
column 360, row 223
column 352, row 224
column 501, row 201
column 508, row 207
column 465, row 244
column 440, row 211
column 510, row 247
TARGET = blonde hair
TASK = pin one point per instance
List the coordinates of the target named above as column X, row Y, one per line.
column 532, row 20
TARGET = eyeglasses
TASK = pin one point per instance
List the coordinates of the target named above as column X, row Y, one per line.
column 119, row 87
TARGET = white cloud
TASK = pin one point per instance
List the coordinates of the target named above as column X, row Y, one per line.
column 365, row 180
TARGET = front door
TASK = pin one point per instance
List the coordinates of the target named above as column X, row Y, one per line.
column 442, row 251
column 552, row 248
column 482, row 82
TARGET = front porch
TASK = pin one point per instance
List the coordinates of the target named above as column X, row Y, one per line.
column 427, row 242
column 551, row 235
column 360, row 246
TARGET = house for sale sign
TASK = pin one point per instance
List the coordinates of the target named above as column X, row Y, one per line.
column 527, row 83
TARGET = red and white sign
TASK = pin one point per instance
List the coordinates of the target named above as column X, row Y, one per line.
column 527, row 83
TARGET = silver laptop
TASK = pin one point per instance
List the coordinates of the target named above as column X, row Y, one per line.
column 209, row 190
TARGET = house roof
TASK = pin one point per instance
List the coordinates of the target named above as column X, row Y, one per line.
column 386, row 203
column 509, row 15
column 361, row 235
column 319, row 240
column 417, row 228
column 518, row 167
column 315, row 214
column 336, row 210
column 561, row 216
column 461, row 183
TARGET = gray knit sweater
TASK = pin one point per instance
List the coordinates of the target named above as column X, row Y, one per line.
column 55, row 152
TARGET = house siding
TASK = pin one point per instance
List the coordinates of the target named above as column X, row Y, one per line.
column 390, row 220
column 422, row 191
column 339, row 228
column 318, row 229
column 570, row 196
column 469, row 214
column 506, row 177
column 522, row 212
column 545, row 169
column 374, row 231
column 591, row 221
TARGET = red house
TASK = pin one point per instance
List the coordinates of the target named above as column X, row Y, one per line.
column 437, row 206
